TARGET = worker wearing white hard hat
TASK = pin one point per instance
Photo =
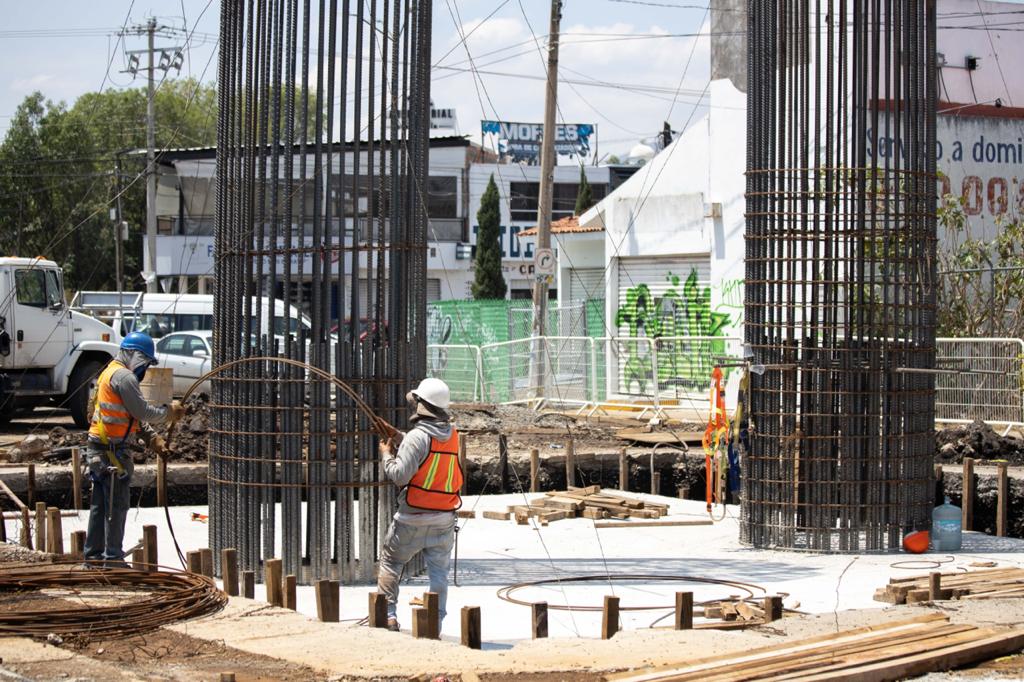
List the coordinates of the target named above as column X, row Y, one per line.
column 426, row 468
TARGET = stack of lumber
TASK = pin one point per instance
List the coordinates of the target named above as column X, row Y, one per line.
column 892, row 651
column 993, row 584
column 591, row 503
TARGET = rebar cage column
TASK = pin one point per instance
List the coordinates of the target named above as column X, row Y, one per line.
column 840, row 272
column 323, row 128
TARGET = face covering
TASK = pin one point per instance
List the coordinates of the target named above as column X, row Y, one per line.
column 140, row 372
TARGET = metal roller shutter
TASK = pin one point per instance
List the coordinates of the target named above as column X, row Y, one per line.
column 663, row 276
column 586, row 284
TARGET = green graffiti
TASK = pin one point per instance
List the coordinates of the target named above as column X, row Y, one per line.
column 679, row 312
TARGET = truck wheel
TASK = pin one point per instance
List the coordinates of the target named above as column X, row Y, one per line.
column 80, row 387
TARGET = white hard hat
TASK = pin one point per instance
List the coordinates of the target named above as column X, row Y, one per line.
column 435, row 392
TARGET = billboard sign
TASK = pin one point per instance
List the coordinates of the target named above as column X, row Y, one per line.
column 522, row 141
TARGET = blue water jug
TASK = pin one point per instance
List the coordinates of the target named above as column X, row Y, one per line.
column 947, row 526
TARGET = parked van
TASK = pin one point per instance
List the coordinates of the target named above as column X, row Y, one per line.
column 162, row 314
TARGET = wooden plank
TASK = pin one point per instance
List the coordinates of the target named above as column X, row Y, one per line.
column 772, row 608
column 194, row 561
column 471, row 627
column 11, row 496
column 497, row 516
column 272, row 577
column 289, row 592
column 503, row 461
column 539, row 620
column 556, row 515
column 935, row 591
column 658, row 437
column 968, row 494
column 585, row 490
column 248, row 584
column 652, row 524
column 78, row 544
column 420, row 624
column 138, row 562
column 522, row 517
column 149, row 548
column 229, row 569
column 1002, row 499
column 593, row 513
column 206, row 561
column 466, row 514
column 54, row 532
column 684, row 611
column 26, row 529
column 76, row 477
column 432, row 603
column 41, row 526
column 563, row 503
column 334, row 592
column 378, row 610
column 322, row 592
column 610, row 617
column 534, row 470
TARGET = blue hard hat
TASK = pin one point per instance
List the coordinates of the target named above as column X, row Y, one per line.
column 140, row 342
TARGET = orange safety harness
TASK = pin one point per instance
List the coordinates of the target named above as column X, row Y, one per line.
column 716, row 445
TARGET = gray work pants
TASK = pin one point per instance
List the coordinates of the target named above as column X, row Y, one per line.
column 402, row 543
column 105, row 536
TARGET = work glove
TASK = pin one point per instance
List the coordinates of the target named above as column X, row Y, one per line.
column 175, row 411
column 387, row 449
column 158, row 445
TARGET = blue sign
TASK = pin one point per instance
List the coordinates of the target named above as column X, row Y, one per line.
column 522, row 141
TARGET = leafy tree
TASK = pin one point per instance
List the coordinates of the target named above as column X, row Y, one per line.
column 488, row 280
column 584, row 195
column 981, row 281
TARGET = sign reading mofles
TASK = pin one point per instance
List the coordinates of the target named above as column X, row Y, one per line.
column 522, row 141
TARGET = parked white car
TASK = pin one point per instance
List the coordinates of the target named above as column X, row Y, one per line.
column 189, row 356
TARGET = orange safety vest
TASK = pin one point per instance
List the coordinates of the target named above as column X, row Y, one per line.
column 436, row 484
column 110, row 418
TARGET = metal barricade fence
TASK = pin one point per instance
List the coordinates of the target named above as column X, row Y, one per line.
column 568, row 376
column 458, row 366
column 505, row 370
column 990, row 386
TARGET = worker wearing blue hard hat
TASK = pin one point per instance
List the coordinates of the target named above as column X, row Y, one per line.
column 119, row 414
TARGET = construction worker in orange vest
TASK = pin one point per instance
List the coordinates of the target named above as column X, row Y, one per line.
column 120, row 412
column 426, row 468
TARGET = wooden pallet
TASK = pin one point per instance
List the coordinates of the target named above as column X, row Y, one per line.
column 591, row 502
column 892, row 651
column 988, row 584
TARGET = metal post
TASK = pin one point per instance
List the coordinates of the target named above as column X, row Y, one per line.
column 151, row 285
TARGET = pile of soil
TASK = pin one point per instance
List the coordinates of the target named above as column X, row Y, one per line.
column 977, row 440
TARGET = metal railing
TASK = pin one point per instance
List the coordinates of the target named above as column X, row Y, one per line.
column 987, row 385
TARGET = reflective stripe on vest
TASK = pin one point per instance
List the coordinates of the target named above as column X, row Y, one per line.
column 436, row 484
column 110, row 418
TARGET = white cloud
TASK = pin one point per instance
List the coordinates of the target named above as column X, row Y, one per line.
column 32, row 83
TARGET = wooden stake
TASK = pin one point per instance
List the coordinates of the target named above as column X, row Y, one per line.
column 30, row 483
column 378, row 609
column 539, row 620
column 420, row 624
column 289, row 592
column 1002, row 498
column 934, row 585
column 26, row 532
column 772, row 608
column 138, row 559
column 471, row 626
column 433, row 607
column 272, row 577
column 3, row 529
column 462, row 463
column 503, row 461
column 570, row 462
column 227, row 677
column 335, row 594
column 76, row 477
column 149, row 548
column 161, row 482
column 610, row 617
column 229, row 569
column 534, row 470
column 54, row 532
column 655, row 482
column 684, row 610
column 78, row 544
column 41, row 526
column 623, row 470
column 195, row 562
column 940, row 485
column 968, row 494
column 322, row 590
column 249, row 584
column 206, row 562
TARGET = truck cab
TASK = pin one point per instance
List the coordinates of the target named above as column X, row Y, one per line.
column 48, row 353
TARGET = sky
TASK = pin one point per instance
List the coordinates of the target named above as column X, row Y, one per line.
column 625, row 65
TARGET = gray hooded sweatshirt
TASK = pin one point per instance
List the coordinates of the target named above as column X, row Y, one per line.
column 411, row 454
column 126, row 384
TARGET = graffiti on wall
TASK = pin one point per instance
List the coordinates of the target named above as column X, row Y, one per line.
column 654, row 322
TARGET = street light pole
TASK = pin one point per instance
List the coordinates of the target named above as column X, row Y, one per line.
column 547, row 180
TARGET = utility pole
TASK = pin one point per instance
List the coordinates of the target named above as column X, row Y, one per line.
column 120, row 229
column 150, row 266
column 170, row 58
column 547, row 182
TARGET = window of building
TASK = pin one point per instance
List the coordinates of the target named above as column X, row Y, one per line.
column 524, row 199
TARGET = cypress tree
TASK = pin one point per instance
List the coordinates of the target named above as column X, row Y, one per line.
column 585, row 195
column 488, row 280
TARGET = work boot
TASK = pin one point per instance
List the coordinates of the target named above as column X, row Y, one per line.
column 393, row 625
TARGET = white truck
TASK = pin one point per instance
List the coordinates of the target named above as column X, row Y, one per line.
column 48, row 352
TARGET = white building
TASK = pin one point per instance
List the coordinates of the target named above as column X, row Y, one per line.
column 185, row 209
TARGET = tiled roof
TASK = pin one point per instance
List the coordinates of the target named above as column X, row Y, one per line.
column 567, row 225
